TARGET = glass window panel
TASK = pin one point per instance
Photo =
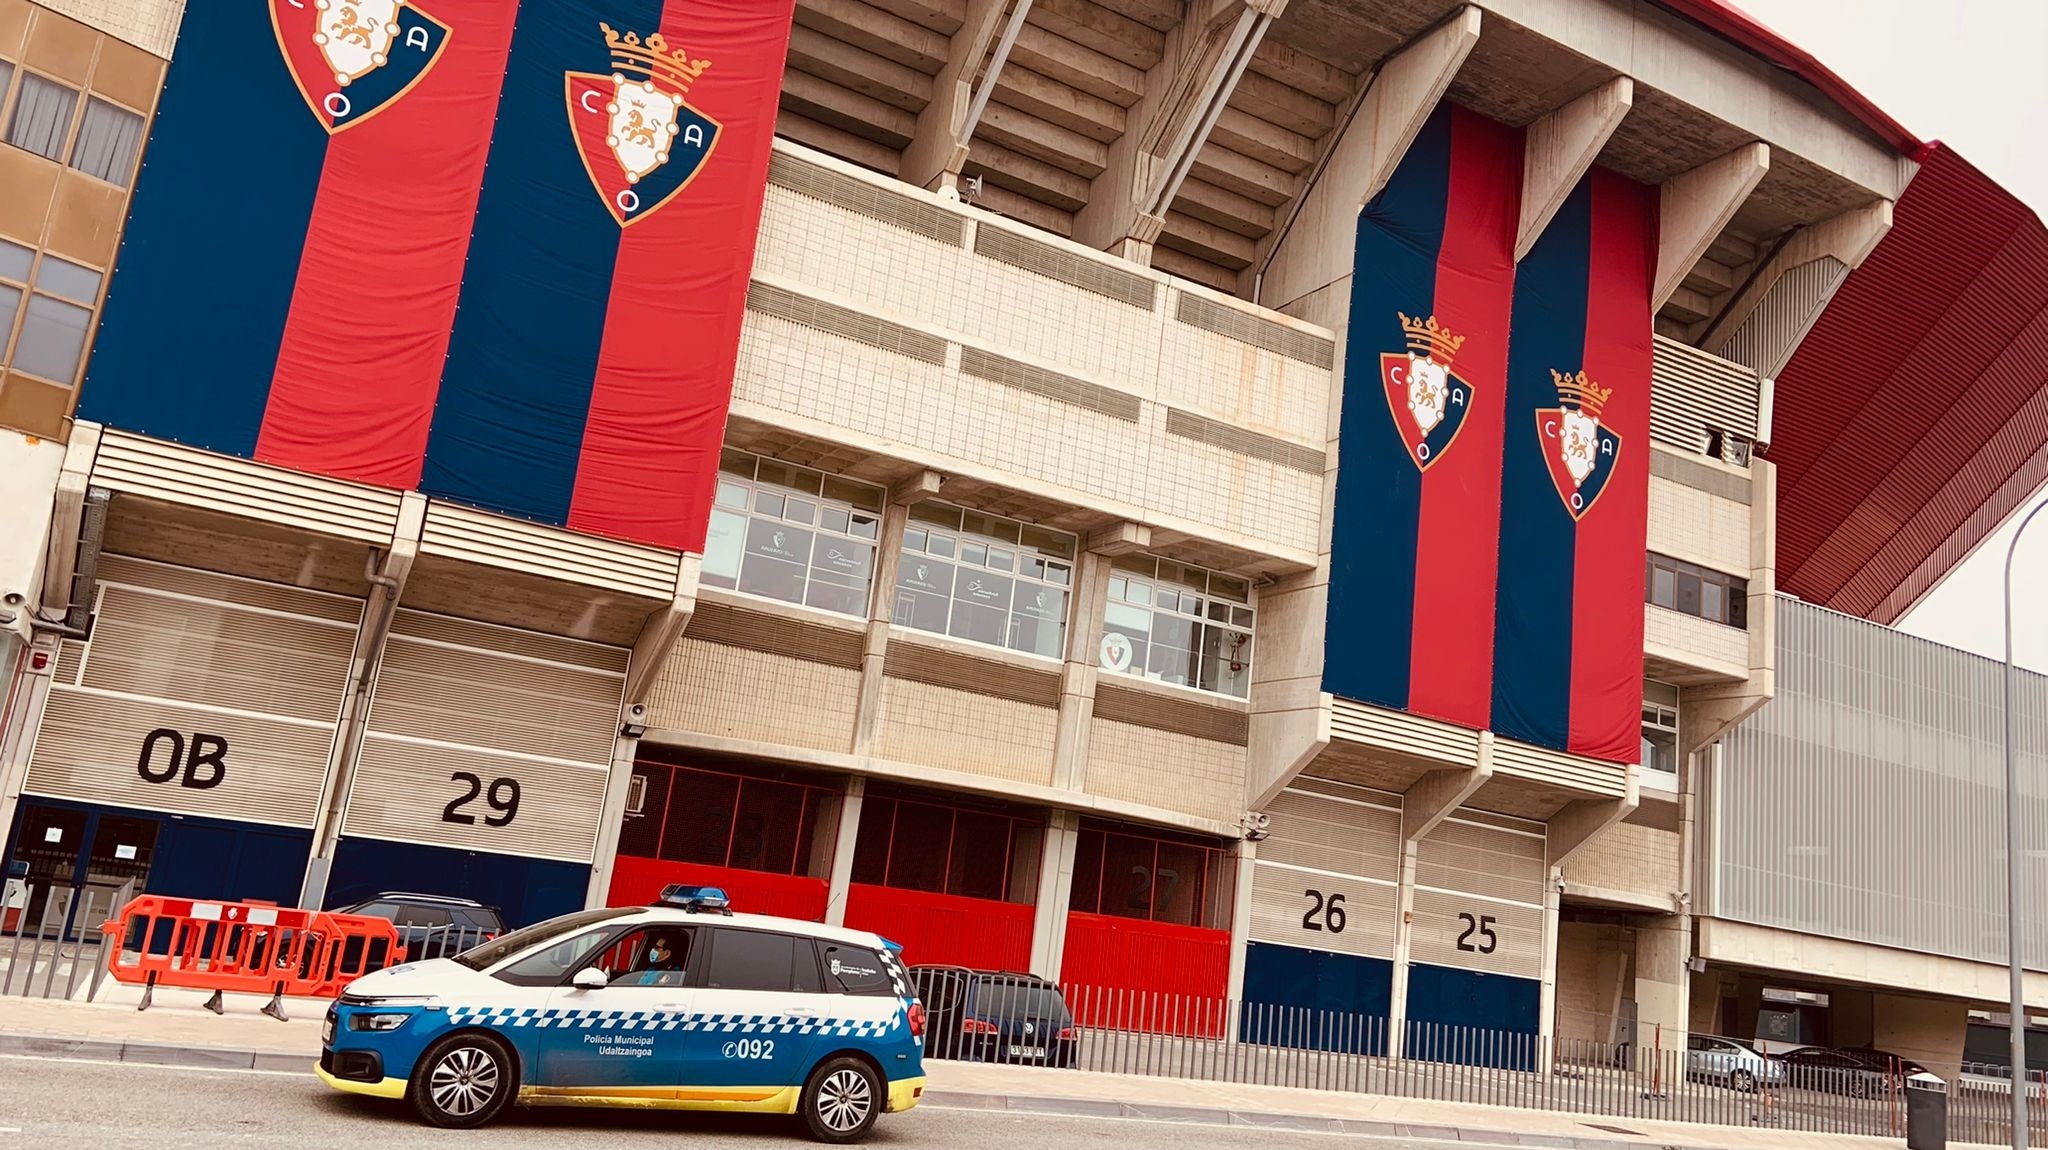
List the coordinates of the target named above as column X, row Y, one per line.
column 1040, row 626
column 765, row 836
column 1738, row 605
column 768, row 503
column 1087, row 892
column 1226, row 662
column 917, row 852
column 1689, row 593
column 936, row 514
column 1235, row 590
column 1220, row 612
column 52, row 339
column 1172, row 665
column 834, row 519
column 1136, row 592
column 776, row 558
column 1001, row 560
column 800, row 511
column 1059, row 573
column 67, row 279
column 981, row 848
column 107, row 140
column 736, row 463
column 913, row 539
column 1116, row 588
column 871, row 843
column 1713, row 601
column 1663, row 587
column 1031, row 567
column 1131, row 620
column 1173, row 631
column 859, row 495
column 6, row 77
column 15, row 261
column 1127, row 876
column 42, row 116
column 724, row 543
column 751, row 960
column 1241, row 617
column 640, row 832
column 731, row 494
column 840, row 573
column 1177, row 884
column 1167, row 598
column 700, row 810
column 981, row 607
column 867, row 526
column 975, row 554
column 1050, row 542
column 924, row 594
column 10, row 305
column 941, row 545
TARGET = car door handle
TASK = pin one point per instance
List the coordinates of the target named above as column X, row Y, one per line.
column 672, row 1006
column 801, row 1012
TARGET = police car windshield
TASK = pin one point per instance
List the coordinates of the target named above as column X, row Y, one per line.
column 505, row 946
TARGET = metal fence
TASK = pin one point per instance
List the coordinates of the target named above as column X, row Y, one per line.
column 1980, row 1105
column 51, row 945
column 1217, row 1040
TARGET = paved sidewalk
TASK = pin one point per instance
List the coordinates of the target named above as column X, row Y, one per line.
column 176, row 1031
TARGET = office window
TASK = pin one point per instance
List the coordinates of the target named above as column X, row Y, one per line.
column 985, row 579
column 108, row 139
column 1697, row 591
column 1151, row 878
column 1177, row 624
column 6, row 78
column 945, row 849
column 42, row 116
column 1660, row 727
column 790, row 533
column 58, row 312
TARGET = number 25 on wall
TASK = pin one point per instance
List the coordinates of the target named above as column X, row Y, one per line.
column 1481, row 926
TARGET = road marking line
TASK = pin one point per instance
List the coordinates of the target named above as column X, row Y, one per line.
column 154, row 1066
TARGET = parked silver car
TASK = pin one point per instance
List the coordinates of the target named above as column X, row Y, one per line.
column 1731, row 1063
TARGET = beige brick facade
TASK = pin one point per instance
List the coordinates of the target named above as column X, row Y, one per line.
column 1636, row 860
column 735, row 693
column 1165, row 769
column 151, row 25
column 963, row 731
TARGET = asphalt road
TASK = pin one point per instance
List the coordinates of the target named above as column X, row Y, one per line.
column 46, row 1103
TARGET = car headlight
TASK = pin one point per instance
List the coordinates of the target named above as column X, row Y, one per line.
column 389, row 999
column 377, row 1021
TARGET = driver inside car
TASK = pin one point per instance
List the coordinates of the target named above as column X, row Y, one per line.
column 661, row 964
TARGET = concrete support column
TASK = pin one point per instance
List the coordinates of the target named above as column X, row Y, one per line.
column 1404, row 938
column 1663, row 982
column 1546, row 998
column 23, row 694
column 1055, row 894
column 881, row 607
column 1245, row 859
column 842, row 850
column 610, row 820
column 1077, row 677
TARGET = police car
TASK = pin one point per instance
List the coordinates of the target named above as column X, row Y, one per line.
column 681, row 1005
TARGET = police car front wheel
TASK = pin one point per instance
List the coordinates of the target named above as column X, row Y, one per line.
column 841, row 1101
column 461, row 1082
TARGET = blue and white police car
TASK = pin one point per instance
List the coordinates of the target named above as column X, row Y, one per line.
column 680, row 1005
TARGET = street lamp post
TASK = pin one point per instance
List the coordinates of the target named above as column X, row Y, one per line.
column 2012, row 862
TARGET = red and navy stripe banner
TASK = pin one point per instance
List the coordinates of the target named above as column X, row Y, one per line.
column 496, row 251
column 1568, row 650
column 1413, row 561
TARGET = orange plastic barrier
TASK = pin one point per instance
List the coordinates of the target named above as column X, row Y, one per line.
column 246, row 947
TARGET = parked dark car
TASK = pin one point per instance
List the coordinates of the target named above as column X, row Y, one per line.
column 995, row 1016
column 432, row 925
column 1859, row 1073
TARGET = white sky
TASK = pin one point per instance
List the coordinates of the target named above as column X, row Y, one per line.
column 1974, row 75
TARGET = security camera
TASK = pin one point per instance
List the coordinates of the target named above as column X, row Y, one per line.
column 13, row 598
column 636, row 721
column 1258, row 826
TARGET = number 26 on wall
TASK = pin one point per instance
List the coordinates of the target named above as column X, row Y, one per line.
column 1331, row 909
column 1481, row 926
column 503, row 797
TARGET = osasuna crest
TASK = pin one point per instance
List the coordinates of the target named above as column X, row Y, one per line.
column 641, row 140
column 1580, row 453
column 1427, row 399
column 351, row 59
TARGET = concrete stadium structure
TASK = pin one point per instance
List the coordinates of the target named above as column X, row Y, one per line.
column 1059, row 289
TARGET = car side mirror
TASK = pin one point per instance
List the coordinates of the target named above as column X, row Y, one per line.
column 590, row 978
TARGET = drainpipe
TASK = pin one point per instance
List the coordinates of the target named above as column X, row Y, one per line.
column 85, row 577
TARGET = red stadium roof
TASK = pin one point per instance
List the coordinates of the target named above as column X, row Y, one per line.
column 1914, row 416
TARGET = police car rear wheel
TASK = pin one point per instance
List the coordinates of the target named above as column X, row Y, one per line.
column 841, row 1101
column 462, row 1082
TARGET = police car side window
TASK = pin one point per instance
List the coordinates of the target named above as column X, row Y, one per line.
column 751, row 960
column 551, row 964
column 856, row 970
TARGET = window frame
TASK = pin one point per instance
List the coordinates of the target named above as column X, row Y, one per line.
column 1019, row 830
column 1124, row 569
column 1210, row 901
column 127, row 181
column 10, row 106
column 10, row 336
column 923, row 527
column 812, row 805
column 1691, row 581
column 743, row 470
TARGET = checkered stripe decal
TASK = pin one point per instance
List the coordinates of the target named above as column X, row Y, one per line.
column 644, row 1020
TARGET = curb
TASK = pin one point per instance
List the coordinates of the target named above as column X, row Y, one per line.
column 218, row 1058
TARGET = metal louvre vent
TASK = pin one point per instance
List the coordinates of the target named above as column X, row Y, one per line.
column 959, row 671
column 1223, row 721
column 1242, row 442
column 190, row 477
column 1694, row 394
column 1403, row 733
column 1785, row 314
column 407, row 791
column 1293, row 907
column 776, row 635
column 1457, row 930
column 1700, row 477
column 482, row 699
column 70, row 657
column 1483, row 860
column 866, row 199
column 846, row 323
column 1328, row 834
column 1591, row 776
column 1089, row 275
column 215, row 654
column 551, row 553
column 89, row 747
column 1050, row 384
column 1231, row 323
column 510, row 641
column 230, row 589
